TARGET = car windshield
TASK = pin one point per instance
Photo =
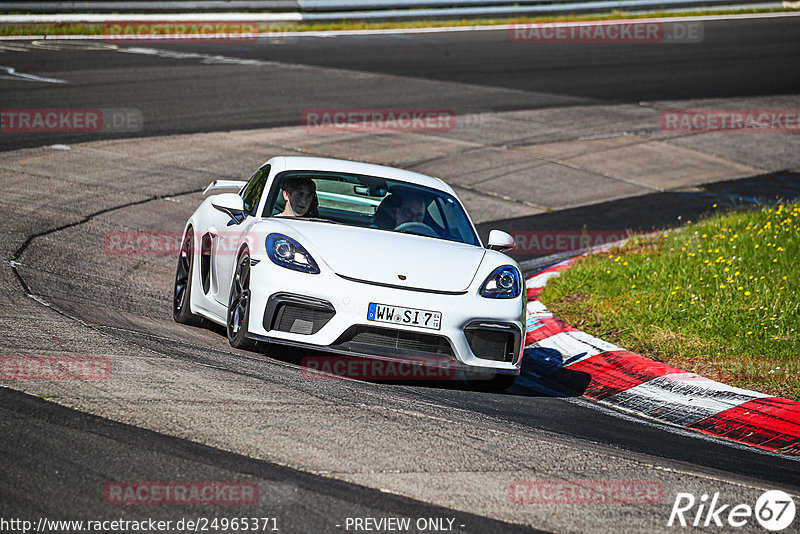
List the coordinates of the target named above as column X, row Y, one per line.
column 370, row 202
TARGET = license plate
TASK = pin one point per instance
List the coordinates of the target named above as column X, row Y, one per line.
column 383, row 313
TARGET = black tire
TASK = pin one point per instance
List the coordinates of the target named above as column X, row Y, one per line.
column 182, row 292
column 239, row 306
column 496, row 383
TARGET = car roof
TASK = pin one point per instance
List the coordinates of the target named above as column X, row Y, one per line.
column 303, row 163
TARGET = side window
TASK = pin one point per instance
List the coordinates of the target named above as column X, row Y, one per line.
column 436, row 215
column 455, row 221
column 253, row 190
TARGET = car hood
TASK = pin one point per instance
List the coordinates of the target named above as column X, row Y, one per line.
column 381, row 256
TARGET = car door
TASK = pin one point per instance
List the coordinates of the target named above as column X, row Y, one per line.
column 229, row 233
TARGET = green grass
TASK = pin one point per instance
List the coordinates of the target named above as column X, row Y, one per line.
column 28, row 29
column 720, row 298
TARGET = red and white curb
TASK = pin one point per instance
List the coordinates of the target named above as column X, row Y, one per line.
column 573, row 362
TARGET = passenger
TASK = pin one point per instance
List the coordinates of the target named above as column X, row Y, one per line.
column 300, row 195
column 410, row 209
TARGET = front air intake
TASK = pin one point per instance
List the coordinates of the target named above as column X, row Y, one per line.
column 297, row 314
column 301, row 320
column 493, row 341
column 370, row 338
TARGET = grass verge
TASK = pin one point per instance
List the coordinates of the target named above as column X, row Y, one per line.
column 29, row 29
column 720, row 297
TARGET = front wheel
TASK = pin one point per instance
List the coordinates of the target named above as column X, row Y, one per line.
column 239, row 306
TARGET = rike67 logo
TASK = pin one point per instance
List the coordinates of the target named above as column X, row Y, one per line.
column 774, row 510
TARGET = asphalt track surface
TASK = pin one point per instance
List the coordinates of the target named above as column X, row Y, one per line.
column 734, row 59
column 41, row 439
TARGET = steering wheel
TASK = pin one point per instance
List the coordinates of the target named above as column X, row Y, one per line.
column 419, row 228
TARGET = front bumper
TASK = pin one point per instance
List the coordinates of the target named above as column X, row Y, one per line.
column 328, row 312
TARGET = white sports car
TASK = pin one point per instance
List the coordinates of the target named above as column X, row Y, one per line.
column 355, row 259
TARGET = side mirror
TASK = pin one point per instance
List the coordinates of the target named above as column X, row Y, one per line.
column 231, row 204
column 499, row 240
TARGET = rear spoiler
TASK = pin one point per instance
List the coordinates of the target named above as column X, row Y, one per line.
column 217, row 185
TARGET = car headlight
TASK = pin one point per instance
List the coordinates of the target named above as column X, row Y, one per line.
column 504, row 283
column 287, row 252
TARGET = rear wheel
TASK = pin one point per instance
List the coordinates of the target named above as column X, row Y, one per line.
column 239, row 306
column 181, row 296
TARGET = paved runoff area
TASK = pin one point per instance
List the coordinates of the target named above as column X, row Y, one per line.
column 59, row 203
